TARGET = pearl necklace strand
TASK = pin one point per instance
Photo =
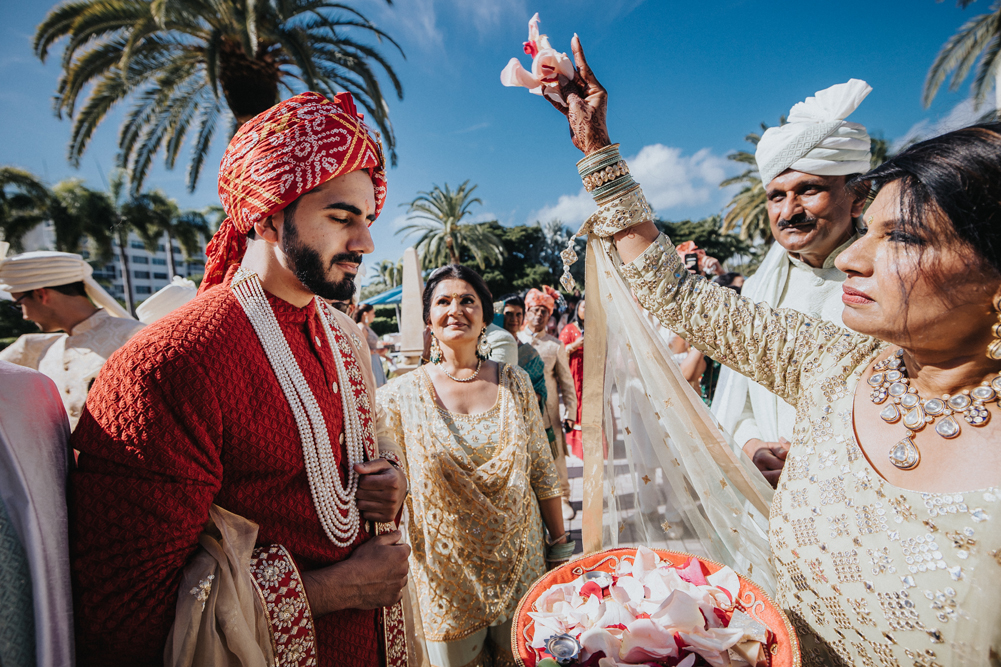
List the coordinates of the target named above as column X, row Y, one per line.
column 335, row 505
column 479, row 363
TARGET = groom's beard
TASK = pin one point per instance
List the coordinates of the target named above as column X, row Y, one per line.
column 307, row 265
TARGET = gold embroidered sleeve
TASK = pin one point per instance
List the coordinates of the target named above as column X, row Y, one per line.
column 389, row 424
column 778, row 349
column 543, row 476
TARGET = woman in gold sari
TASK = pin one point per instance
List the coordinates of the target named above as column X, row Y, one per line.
column 482, row 479
column 885, row 527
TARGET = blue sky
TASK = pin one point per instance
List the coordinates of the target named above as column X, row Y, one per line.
column 686, row 80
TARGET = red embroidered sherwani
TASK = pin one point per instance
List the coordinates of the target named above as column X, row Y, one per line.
column 187, row 414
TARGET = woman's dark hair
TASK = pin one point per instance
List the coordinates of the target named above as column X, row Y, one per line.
column 362, row 309
column 459, row 272
column 956, row 176
column 515, row 300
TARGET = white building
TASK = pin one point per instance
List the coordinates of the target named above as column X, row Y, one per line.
column 148, row 270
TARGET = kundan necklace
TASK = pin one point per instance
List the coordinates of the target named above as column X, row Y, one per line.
column 889, row 381
column 335, row 504
column 479, row 363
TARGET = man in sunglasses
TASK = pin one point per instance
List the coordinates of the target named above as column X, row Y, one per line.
column 81, row 324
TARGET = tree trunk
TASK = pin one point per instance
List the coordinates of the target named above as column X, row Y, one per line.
column 250, row 85
column 170, row 256
column 453, row 256
column 123, row 255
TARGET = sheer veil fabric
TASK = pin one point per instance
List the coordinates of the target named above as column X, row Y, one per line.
column 637, row 400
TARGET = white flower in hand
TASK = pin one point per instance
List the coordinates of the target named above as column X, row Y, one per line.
column 547, row 66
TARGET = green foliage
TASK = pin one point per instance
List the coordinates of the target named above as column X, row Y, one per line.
column 191, row 66
column 978, row 39
column 443, row 237
column 707, row 235
column 748, row 209
column 24, row 203
column 12, row 325
column 385, row 320
column 524, row 263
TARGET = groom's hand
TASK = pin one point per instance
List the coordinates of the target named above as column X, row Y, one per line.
column 372, row 577
column 382, row 489
column 768, row 457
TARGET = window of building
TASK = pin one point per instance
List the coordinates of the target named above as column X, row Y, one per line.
column 142, row 275
column 140, row 259
column 159, row 276
column 144, row 289
column 159, row 247
column 138, row 245
column 160, row 261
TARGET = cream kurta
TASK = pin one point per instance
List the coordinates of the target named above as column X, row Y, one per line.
column 744, row 408
column 476, row 481
column 869, row 572
column 73, row 360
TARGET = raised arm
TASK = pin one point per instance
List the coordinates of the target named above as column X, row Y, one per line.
column 774, row 348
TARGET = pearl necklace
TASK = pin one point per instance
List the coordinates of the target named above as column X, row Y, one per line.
column 889, row 381
column 479, row 363
column 335, row 505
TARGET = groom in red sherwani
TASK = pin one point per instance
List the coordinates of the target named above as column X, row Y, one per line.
column 198, row 409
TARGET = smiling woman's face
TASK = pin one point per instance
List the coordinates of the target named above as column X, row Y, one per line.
column 919, row 288
column 456, row 315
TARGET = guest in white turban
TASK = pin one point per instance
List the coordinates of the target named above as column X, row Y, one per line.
column 167, row 300
column 81, row 323
column 804, row 165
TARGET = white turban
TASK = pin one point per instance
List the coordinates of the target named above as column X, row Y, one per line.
column 168, row 299
column 35, row 270
column 816, row 139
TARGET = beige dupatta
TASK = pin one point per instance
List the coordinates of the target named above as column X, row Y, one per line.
column 636, row 398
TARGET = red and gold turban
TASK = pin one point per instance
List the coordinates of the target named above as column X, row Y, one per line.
column 547, row 298
column 281, row 154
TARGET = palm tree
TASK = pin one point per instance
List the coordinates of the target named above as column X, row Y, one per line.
column 24, row 204
column 79, row 215
column 195, row 64
column 555, row 236
column 979, row 38
column 443, row 236
column 390, row 273
column 749, row 207
column 162, row 220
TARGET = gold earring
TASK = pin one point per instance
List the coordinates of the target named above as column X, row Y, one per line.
column 994, row 349
column 435, row 353
column 482, row 346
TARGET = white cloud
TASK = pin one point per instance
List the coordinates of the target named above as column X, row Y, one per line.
column 961, row 115
column 669, row 179
column 418, row 19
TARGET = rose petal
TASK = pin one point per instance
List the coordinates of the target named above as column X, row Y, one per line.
column 692, row 572
column 516, row 75
column 645, row 640
column 680, row 612
column 627, row 591
column 727, row 581
column 533, row 28
column 590, row 588
column 599, row 639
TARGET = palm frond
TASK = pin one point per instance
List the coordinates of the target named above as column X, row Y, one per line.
column 959, row 54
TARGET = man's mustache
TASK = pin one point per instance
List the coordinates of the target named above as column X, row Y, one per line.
column 796, row 221
column 349, row 257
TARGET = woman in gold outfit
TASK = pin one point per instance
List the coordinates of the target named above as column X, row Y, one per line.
column 482, row 479
column 885, row 527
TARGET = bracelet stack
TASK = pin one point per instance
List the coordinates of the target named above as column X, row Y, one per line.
column 620, row 201
column 557, row 553
column 606, row 175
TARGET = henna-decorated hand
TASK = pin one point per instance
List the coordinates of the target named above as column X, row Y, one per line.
column 587, row 105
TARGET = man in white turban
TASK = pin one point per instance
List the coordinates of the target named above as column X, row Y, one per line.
column 804, row 166
column 81, row 323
